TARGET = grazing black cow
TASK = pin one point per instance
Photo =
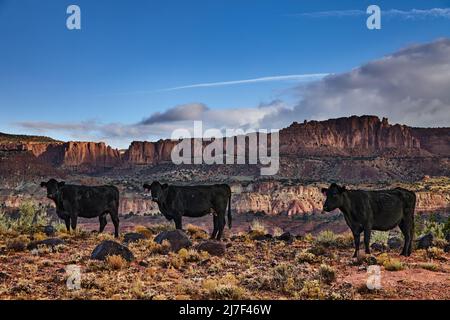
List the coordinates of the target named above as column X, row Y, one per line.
column 193, row 201
column 382, row 210
column 73, row 201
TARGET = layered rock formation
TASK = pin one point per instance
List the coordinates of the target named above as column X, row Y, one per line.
column 365, row 136
column 355, row 136
column 144, row 152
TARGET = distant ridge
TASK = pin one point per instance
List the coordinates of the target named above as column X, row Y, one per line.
column 22, row 138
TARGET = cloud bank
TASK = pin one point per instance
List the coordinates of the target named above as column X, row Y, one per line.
column 411, row 86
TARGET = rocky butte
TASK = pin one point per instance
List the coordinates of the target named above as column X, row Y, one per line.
column 357, row 136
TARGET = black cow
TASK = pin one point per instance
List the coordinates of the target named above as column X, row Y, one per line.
column 193, row 201
column 382, row 210
column 73, row 201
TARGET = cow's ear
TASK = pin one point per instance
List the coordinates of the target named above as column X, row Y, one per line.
column 43, row 184
column 165, row 185
column 324, row 191
column 60, row 184
column 342, row 189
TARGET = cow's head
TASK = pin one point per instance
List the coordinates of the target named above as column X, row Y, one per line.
column 156, row 189
column 334, row 197
column 53, row 187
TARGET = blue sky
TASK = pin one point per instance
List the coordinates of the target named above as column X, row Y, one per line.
column 114, row 71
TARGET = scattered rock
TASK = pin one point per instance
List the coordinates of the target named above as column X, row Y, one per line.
column 110, row 248
column 49, row 230
column 286, row 237
column 3, row 276
column 143, row 263
column 133, row 237
column 262, row 237
column 371, row 260
column 177, row 238
column 425, row 241
column 51, row 242
column 395, row 243
column 378, row 246
column 215, row 248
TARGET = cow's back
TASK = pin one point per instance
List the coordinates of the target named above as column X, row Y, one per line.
column 91, row 201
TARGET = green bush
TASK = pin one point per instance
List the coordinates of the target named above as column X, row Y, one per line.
column 31, row 217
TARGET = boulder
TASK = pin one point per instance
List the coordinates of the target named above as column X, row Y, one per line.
column 395, row 243
column 49, row 230
column 425, row 241
column 286, row 237
column 51, row 242
column 111, row 248
column 447, row 248
column 214, row 248
column 378, row 246
column 177, row 239
column 262, row 237
column 133, row 237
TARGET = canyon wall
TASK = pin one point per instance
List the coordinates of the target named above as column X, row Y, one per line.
column 365, row 136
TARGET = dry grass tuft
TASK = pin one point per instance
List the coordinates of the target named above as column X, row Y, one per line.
column 115, row 262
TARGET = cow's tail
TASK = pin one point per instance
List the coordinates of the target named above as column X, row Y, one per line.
column 229, row 210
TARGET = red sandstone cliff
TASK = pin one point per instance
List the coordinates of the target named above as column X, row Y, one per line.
column 364, row 136
column 356, row 136
column 144, row 152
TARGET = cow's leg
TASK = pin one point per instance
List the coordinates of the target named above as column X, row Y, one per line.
column 216, row 227
column 73, row 222
column 178, row 224
column 221, row 219
column 115, row 220
column 357, row 239
column 367, row 232
column 405, row 228
column 103, row 222
column 67, row 221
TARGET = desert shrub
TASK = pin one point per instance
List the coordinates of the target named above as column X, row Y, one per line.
column 160, row 227
column 429, row 266
column 277, row 231
column 318, row 250
column 148, row 234
column 196, row 232
column 282, row 278
column 327, row 273
column 435, row 253
column 446, row 229
column 115, row 262
column 309, row 237
column 31, row 217
column 311, row 290
column 431, row 226
column 327, row 238
column 156, row 248
column 192, row 255
column 379, row 237
column 38, row 236
column 257, row 227
column 393, row 265
column 17, row 244
column 225, row 288
column 345, row 240
column 305, row 256
column 382, row 258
